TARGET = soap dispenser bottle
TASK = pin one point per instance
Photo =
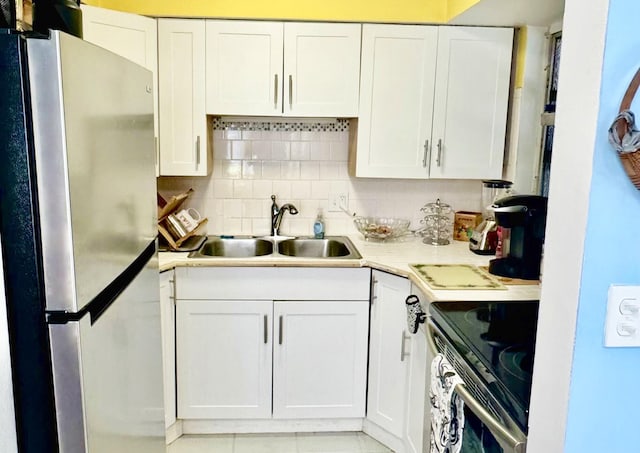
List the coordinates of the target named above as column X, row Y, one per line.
column 318, row 226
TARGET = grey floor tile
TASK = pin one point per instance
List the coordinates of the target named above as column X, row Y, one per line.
column 328, row 443
column 265, row 443
column 369, row 445
column 336, row 442
column 222, row 443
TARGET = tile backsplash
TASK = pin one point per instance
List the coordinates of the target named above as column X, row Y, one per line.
column 302, row 162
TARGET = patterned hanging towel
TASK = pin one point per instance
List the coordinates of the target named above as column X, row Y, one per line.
column 447, row 409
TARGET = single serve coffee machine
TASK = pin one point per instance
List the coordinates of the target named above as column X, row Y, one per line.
column 521, row 221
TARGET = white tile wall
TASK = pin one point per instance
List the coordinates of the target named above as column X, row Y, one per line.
column 303, row 168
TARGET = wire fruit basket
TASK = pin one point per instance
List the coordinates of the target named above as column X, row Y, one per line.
column 438, row 223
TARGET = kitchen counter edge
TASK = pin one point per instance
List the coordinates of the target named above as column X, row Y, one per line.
column 393, row 258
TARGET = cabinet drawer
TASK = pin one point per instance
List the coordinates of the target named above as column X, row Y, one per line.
column 273, row 283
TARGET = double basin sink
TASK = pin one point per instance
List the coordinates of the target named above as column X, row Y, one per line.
column 329, row 247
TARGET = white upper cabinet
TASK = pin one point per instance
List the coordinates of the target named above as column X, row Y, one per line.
column 183, row 121
column 275, row 68
column 128, row 35
column 321, row 69
column 396, row 100
column 473, row 73
column 433, row 102
column 244, row 67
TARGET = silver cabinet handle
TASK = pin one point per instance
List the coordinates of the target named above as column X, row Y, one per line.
column 290, row 91
column 403, row 354
column 275, row 91
column 197, row 152
column 157, row 148
column 280, row 324
column 266, row 329
column 374, row 282
column 439, row 159
column 172, row 296
column 426, row 153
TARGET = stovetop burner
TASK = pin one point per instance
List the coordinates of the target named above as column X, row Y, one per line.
column 500, row 336
column 517, row 361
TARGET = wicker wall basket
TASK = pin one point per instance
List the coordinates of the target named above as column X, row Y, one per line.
column 624, row 137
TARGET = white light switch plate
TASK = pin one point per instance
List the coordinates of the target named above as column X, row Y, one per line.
column 622, row 326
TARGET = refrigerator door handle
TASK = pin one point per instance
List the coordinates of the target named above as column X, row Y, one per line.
column 101, row 302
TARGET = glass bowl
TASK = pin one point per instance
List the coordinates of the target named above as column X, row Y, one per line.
column 381, row 228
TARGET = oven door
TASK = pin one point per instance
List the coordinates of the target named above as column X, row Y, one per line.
column 487, row 429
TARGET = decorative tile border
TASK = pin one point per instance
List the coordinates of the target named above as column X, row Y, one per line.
column 278, row 125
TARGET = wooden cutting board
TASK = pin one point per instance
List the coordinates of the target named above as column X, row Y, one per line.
column 456, row 276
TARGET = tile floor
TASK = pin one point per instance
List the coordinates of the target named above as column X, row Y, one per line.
column 278, row 443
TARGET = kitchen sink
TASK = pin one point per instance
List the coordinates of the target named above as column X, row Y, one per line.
column 330, row 247
column 233, row 248
column 338, row 247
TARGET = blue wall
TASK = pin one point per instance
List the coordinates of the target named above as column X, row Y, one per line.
column 604, row 407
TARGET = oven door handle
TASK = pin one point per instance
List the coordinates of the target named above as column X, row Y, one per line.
column 505, row 438
column 512, row 442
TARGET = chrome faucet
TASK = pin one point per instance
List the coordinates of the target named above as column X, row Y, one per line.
column 277, row 213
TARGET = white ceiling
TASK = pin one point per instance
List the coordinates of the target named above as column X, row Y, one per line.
column 512, row 13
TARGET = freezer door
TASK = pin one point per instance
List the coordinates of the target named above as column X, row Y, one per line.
column 107, row 374
column 95, row 163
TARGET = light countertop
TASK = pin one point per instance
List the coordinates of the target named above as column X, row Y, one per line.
column 393, row 257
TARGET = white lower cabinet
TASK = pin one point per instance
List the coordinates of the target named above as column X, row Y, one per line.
column 387, row 367
column 224, row 359
column 268, row 350
column 168, row 320
column 320, row 359
column 416, row 388
column 397, row 368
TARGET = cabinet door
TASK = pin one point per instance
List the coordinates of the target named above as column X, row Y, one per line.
column 129, row 35
column 471, row 100
column 416, row 390
column 321, row 69
column 387, row 365
column 320, row 359
column 224, row 359
column 168, row 319
column 244, row 67
column 183, row 122
column 396, row 100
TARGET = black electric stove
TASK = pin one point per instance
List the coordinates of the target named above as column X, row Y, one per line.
column 496, row 340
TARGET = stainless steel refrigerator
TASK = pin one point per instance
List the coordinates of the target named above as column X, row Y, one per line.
column 78, row 234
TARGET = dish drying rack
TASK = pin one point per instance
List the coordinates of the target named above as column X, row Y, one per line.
column 438, row 223
column 167, row 207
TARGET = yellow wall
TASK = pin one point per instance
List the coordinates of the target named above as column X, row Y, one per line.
column 410, row 11
column 520, row 57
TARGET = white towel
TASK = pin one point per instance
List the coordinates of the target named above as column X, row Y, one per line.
column 447, row 409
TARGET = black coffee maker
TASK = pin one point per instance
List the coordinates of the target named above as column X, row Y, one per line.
column 522, row 219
